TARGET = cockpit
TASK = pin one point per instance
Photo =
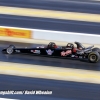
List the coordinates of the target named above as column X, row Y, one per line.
column 52, row 45
column 70, row 45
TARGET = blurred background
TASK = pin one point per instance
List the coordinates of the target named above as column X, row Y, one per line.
column 79, row 16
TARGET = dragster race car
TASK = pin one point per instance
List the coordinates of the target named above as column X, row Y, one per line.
column 91, row 53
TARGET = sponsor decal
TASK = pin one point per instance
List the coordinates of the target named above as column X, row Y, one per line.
column 65, row 53
column 76, row 56
column 49, row 52
column 40, row 47
column 80, row 52
column 17, row 51
column 72, row 55
column 80, row 57
column 36, row 51
column 18, row 33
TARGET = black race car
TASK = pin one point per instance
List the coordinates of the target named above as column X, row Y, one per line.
column 69, row 51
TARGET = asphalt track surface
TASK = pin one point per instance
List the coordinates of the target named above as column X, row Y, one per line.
column 50, row 24
column 61, row 90
column 62, row 5
column 45, row 61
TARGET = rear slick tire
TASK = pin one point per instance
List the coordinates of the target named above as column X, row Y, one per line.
column 93, row 57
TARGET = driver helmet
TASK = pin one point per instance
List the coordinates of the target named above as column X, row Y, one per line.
column 53, row 45
column 70, row 45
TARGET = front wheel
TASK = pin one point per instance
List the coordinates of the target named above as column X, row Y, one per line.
column 10, row 49
column 94, row 57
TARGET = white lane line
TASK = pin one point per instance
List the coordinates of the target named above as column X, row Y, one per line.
column 7, row 99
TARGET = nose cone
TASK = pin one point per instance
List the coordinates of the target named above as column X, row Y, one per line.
column 3, row 51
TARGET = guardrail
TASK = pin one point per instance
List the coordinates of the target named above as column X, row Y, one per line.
column 39, row 34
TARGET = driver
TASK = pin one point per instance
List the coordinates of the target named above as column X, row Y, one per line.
column 70, row 45
column 52, row 45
